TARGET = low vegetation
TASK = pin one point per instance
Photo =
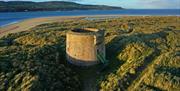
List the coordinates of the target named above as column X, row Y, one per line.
column 143, row 54
column 21, row 6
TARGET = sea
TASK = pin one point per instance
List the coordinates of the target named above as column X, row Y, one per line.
column 7, row 18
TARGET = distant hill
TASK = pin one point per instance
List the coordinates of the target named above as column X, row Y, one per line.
column 19, row 6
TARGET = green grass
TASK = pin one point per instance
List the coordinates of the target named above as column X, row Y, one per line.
column 143, row 54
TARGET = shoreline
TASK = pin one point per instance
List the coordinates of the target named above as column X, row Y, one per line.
column 14, row 22
column 24, row 25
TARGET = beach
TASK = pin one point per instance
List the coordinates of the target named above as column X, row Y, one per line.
column 30, row 23
column 27, row 24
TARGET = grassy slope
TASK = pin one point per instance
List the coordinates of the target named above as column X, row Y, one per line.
column 143, row 53
column 19, row 6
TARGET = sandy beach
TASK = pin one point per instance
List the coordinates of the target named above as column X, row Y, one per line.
column 29, row 23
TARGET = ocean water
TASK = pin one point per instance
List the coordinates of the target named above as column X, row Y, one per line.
column 12, row 17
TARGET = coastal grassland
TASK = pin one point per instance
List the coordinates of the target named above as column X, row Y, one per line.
column 143, row 54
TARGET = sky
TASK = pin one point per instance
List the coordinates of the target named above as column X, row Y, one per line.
column 130, row 4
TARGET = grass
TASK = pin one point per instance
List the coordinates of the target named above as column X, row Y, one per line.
column 143, row 54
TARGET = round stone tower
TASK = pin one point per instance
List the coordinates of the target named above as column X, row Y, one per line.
column 83, row 46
